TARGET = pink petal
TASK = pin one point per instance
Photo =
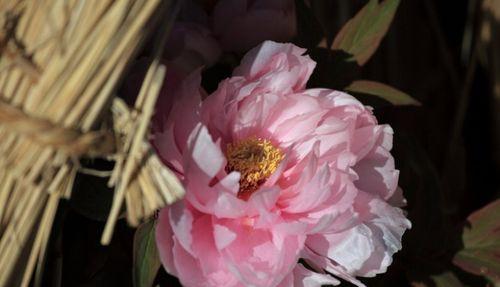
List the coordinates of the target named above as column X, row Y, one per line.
column 188, row 268
column 256, row 260
column 304, row 277
column 166, row 148
column 262, row 59
column 165, row 242
column 322, row 263
column 314, row 193
column 184, row 113
column 298, row 127
column 204, row 155
column 377, row 173
column 350, row 248
column 181, row 221
column 223, row 236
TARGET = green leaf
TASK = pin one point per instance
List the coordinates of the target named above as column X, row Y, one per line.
column 446, row 279
column 481, row 252
column 362, row 35
column 146, row 259
column 388, row 93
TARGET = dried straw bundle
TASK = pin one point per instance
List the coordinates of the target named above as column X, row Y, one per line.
column 60, row 63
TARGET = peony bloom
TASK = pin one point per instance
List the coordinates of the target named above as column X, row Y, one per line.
column 240, row 25
column 275, row 173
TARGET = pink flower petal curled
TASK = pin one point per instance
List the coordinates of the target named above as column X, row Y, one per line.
column 272, row 63
column 165, row 242
column 331, row 198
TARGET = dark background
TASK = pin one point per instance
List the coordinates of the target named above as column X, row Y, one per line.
column 447, row 149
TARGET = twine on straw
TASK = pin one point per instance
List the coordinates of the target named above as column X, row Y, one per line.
column 45, row 133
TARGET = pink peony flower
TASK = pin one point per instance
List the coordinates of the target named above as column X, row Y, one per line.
column 240, row 25
column 275, row 173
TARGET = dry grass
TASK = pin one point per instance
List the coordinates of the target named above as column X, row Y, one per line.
column 61, row 61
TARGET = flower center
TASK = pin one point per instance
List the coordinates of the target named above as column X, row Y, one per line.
column 255, row 159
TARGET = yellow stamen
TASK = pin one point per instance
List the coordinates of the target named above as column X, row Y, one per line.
column 256, row 159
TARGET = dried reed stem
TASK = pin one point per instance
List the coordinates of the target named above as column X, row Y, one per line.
column 61, row 62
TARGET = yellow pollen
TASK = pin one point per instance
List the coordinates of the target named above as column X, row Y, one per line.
column 255, row 159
